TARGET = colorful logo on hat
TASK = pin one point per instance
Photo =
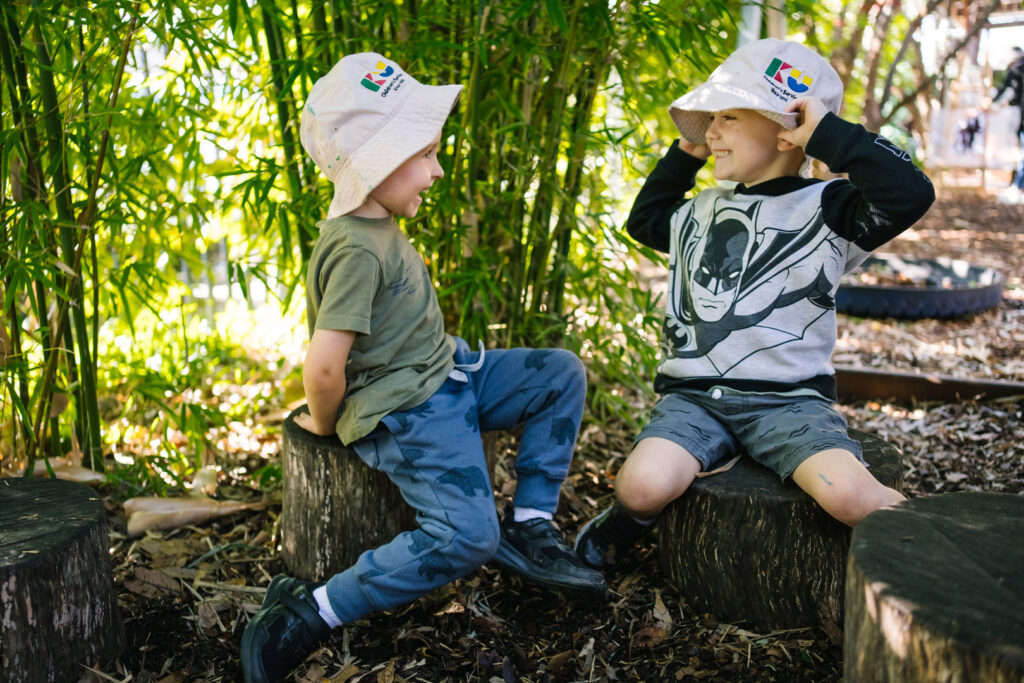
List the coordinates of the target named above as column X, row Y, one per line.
column 374, row 80
column 796, row 80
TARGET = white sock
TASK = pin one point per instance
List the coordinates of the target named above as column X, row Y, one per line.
column 326, row 611
column 525, row 514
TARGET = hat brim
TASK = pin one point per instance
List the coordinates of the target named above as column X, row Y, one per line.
column 690, row 112
column 415, row 125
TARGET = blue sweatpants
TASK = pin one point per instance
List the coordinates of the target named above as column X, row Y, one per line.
column 434, row 454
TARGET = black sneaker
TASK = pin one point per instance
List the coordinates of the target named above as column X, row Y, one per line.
column 606, row 539
column 535, row 550
column 284, row 632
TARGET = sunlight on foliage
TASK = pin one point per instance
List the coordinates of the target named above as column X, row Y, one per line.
column 158, row 209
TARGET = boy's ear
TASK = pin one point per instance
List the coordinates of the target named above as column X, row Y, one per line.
column 784, row 145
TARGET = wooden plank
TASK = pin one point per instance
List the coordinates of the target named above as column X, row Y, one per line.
column 864, row 384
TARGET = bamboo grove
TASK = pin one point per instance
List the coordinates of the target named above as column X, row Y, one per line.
column 137, row 135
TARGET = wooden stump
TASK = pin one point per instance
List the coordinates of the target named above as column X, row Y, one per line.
column 935, row 591
column 58, row 607
column 746, row 547
column 334, row 507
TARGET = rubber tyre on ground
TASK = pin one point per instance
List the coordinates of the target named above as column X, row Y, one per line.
column 944, row 288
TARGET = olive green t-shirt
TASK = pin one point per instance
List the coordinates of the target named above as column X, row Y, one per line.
column 366, row 277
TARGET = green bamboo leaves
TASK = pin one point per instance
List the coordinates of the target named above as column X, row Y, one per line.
column 137, row 137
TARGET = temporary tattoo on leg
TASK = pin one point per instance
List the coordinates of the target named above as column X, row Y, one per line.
column 824, row 479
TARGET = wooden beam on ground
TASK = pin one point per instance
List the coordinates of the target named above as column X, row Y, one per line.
column 869, row 383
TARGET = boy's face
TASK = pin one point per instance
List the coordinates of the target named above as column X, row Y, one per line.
column 746, row 147
column 400, row 192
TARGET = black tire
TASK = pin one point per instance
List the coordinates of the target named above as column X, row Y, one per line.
column 949, row 288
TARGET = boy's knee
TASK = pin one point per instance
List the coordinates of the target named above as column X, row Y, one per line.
column 655, row 473
column 843, row 486
column 474, row 544
column 644, row 497
column 568, row 364
column 851, row 504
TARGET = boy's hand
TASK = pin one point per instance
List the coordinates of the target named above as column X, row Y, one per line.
column 698, row 151
column 810, row 111
column 306, row 421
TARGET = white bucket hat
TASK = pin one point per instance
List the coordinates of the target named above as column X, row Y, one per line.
column 764, row 75
column 366, row 118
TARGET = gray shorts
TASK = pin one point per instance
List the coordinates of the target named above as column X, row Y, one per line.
column 778, row 431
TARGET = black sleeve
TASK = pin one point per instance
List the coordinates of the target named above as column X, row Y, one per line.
column 663, row 192
column 1013, row 81
column 886, row 193
column 1017, row 83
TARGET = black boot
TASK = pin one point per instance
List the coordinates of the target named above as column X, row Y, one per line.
column 609, row 537
column 284, row 632
column 535, row 550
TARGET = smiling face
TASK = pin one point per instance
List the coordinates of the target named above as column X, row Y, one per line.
column 400, row 193
column 747, row 148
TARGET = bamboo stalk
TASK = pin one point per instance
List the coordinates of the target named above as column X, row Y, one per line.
column 544, row 206
column 285, row 117
column 88, row 404
column 586, row 96
column 13, row 69
column 17, row 81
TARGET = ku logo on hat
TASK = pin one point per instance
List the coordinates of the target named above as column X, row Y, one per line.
column 375, row 79
column 795, row 79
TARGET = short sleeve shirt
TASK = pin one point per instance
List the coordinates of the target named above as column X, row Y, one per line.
column 365, row 276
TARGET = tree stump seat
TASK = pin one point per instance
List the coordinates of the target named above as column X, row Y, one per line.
column 935, row 591
column 745, row 546
column 58, row 606
column 334, row 507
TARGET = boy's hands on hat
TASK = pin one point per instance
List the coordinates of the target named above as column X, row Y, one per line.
column 694, row 149
column 810, row 111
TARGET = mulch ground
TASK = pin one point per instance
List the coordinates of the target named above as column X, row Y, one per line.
column 186, row 595
column 963, row 445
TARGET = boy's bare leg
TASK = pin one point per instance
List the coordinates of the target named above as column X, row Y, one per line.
column 656, row 472
column 843, row 486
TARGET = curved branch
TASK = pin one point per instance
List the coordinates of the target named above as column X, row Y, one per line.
column 930, row 81
column 908, row 38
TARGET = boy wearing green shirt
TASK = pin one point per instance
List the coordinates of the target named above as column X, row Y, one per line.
column 382, row 374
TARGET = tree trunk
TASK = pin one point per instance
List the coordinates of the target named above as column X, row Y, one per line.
column 334, row 506
column 935, row 591
column 746, row 547
column 58, row 607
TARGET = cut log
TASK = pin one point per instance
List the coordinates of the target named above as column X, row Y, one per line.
column 58, row 606
column 745, row 546
column 935, row 591
column 334, row 507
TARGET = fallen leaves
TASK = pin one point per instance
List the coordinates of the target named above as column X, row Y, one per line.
column 965, row 446
column 153, row 583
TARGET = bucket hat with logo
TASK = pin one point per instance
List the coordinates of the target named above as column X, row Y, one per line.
column 764, row 75
column 366, row 118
